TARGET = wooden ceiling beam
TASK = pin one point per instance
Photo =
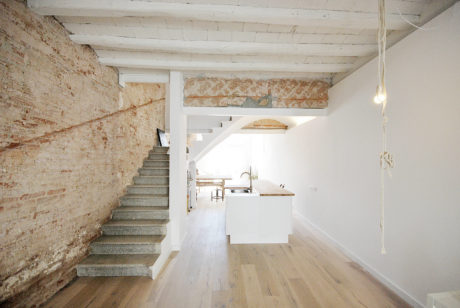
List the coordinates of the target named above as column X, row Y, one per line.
column 218, row 47
column 223, row 13
column 126, row 27
column 150, row 60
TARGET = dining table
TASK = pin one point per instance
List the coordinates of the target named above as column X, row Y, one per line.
column 204, row 180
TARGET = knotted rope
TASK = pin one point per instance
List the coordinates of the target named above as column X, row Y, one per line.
column 386, row 158
column 386, row 163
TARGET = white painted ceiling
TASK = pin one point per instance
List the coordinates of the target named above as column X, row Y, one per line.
column 323, row 39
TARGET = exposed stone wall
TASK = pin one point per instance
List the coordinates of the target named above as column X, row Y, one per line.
column 71, row 140
column 251, row 93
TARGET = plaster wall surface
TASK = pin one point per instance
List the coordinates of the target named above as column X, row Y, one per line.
column 332, row 164
column 178, row 161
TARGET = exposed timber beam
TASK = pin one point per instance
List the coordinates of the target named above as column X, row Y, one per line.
column 128, row 59
column 259, row 112
column 225, row 13
column 218, row 47
column 260, row 75
column 151, row 28
column 142, row 76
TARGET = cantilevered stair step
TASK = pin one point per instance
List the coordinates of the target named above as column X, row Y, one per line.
column 127, row 244
column 148, row 189
column 117, row 265
column 146, row 180
column 158, row 156
column 156, row 163
column 135, row 227
column 140, row 212
column 159, row 150
column 153, row 171
column 144, row 200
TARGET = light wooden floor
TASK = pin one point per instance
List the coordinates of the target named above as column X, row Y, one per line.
column 208, row 272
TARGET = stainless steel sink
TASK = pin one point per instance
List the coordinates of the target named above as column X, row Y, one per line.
column 240, row 191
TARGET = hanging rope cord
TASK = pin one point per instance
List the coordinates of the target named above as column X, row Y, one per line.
column 386, row 159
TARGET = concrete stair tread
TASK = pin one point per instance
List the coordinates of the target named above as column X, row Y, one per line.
column 129, row 239
column 156, row 159
column 136, row 222
column 119, row 260
column 160, row 149
column 149, row 185
column 146, row 180
column 153, row 168
column 151, row 176
column 146, row 196
column 141, row 208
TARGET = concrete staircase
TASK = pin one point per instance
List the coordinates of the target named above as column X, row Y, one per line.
column 135, row 242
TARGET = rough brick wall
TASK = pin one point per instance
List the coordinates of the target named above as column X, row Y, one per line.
column 276, row 93
column 70, row 141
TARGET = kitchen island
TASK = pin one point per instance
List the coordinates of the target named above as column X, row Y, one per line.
column 263, row 216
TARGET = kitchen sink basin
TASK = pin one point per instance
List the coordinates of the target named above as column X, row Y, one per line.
column 240, row 191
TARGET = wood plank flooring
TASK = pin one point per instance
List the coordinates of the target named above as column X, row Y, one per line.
column 209, row 272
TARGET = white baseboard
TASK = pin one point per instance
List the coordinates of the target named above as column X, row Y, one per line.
column 379, row 276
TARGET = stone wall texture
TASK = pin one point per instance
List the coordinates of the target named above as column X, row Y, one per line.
column 283, row 93
column 70, row 141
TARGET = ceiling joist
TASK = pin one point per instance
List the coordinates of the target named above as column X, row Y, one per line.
column 321, row 39
column 128, row 59
column 142, row 76
column 217, row 47
column 151, row 27
column 223, row 13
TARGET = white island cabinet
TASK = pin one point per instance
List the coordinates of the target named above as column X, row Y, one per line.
column 264, row 216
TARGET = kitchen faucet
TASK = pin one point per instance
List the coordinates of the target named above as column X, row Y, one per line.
column 250, row 177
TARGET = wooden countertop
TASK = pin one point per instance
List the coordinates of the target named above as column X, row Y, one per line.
column 267, row 188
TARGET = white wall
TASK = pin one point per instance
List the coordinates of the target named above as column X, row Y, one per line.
column 338, row 155
column 230, row 157
column 205, row 121
column 177, row 161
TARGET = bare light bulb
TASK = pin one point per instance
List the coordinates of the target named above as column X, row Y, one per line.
column 380, row 96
